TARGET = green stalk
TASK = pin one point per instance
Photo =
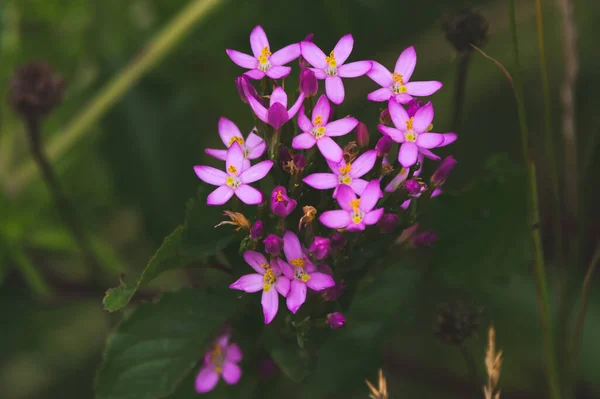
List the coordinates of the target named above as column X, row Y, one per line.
column 549, row 138
column 31, row 275
column 539, row 266
column 155, row 50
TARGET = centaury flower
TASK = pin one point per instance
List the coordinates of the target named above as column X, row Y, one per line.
column 277, row 114
column 267, row 279
column 301, row 272
column 411, row 132
column 344, row 173
column 320, row 131
column 331, row 67
column 220, row 360
column 235, row 180
column 356, row 213
column 281, row 204
column 396, row 85
column 264, row 62
column 253, row 146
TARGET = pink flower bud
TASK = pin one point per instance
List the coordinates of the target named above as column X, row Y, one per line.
column 443, row 171
column 273, row 245
column 413, row 107
column 308, row 83
column 388, row 223
column 320, row 248
column 336, row 320
column 384, row 117
column 281, row 204
column 256, row 232
column 413, row 187
column 425, row 239
column 245, row 88
column 299, row 161
column 362, row 135
column 383, row 146
column 277, row 115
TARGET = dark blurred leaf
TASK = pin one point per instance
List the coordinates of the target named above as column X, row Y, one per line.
column 155, row 348
column 294, row 361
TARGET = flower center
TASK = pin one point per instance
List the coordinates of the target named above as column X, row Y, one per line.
column 300, row 274
column 357, row 215
column 239, row 140
column 397, row 77
column 331, row 68
column 318, row 131
column 298, row 262
column 233, row 181
column 280, row 196
column 232, row 169
column 345, row 179
column 344, row 170
column 269, row 278
column 217, row 358
column 263, row 59
column 411, row 136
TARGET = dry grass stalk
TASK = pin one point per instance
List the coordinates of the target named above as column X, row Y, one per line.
column 493, row 365
column 380, row 392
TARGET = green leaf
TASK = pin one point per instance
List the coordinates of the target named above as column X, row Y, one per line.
column 294, row 361
column 159, row 344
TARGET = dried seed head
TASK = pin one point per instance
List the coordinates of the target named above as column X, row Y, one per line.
column 456, row 322
column 465, row 27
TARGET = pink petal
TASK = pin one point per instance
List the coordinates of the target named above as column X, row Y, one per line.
column 322, row 109
column 207, row 379
column 354, row 69
column 234, row 159
column 407, row 155
column 313, row 55
column 270, row 304
column 405, row 204
column 320, row 281
column 429, row 154
column 255, row 74
column 373, row 216
column 292, row 111
column 449, row 138
column 341, row 126
column 249, row 283
column 278, row 72
column 337, row 219
column 303, row 122
column 297, row 296
column 429, row 140
column 258, row 41
column 363, row 164
column 330, row 149
column 241, row 59
column 256, row 172
column 321, row 181
column 403, row 98
column 248, row 195
column 259, row 110
column 288, row 271
column 279, row 96
column 406, row 63
column 231, row 373
column 426, row 88
column 256, row 146
column 286, row 54
column 343, row 48
column 256, row 260
column 356, row 226
column 319, row 73
column 392, row 133
column 303, row 141
column 228, row 130
column 219, row 196
column 334, row 89
column 436, row 192
column 396, row 181
column 234, row 353
column 344, row 196
column 370, row 196
column 283, row 285
column 359, row 185
column 423, row 118
column 335, row 166
column 398, row 114
column 292, row 247
column 380, row 75
column 219, row 154
column 379, row 95
column 210, row 175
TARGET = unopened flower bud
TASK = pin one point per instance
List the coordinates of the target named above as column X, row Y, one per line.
column 256, row 232
column 308, row 83
column 384, row 117
column 35, row 90
column 303, row 63
column 413, row 107
column 273, row 245
column 413, row 187
column 336, row 320
column 388, row 223
column 299, row 161
column 320, row 248
column 333, row 293
column 407, row 234
column 383, row 146
column 245, row 88
column 443, row 171
column 362, row 135
column 338, row 240
column 281, row 204
column 425, row 239
column 277, row 115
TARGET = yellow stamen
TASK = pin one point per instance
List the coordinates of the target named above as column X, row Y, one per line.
column 269, row 277
column 321, row 130
column 280, row 196
column 319, row 120
column 232, row 169
column 355, row 204
column 265, row 51
column 218, row 369
column 346, row 180
column 305, row 278
column 264, row 265
column 298, row 262
column 239, row 140
column 330, row 59
column 356, row 219
column 409, row 123
column 267, row 287
column 344, row 170
column 397, row 77
column 229, row 181
column 217, row 350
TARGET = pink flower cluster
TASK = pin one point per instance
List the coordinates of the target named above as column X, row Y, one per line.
column 289, row 138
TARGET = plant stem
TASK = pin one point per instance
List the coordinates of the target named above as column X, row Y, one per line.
column 464, row 59
column 549, row 139
column 539, row 266
column 31, row 275
column 471, row 367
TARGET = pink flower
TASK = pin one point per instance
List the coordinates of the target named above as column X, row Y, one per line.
column 264, row 62
column 443, row 171
column 402, row 175
column 336, row 320
column 253, row 146
column 331, row 67
column 320, row 248
column 355, row 213
column 302, row 273
column 235, row 180
column 267, row 279
column 245, row 88
column 344, row 174
column 277, row 114
column 273, row 245
column 412, row 132
column 308, row 83
column 220, row 360
column 320, row 131
column 281, row 204
column 396, row 85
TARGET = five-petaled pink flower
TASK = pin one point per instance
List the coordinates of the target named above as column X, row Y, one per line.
column 235, row 180
column 302, row 272
column 220, row 360
column 267, row 279
column 356, row 213
column 277, row 114
column 320, row 131
column 412, row 132
column 331, row 67
column 264, row 62
column 396, row 85
column 253, row 146
column 344, row 173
